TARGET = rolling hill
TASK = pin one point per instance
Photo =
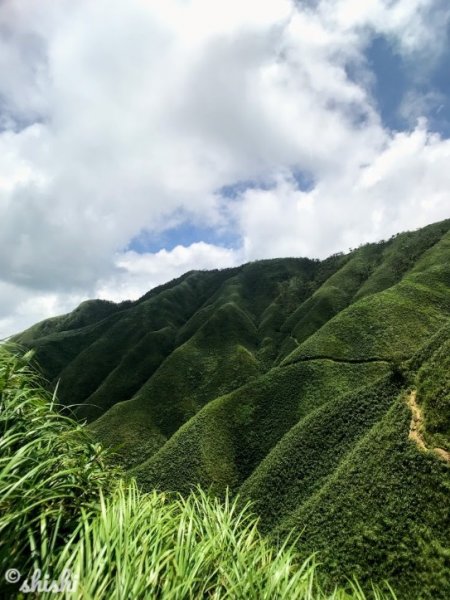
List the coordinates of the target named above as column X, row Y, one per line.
column 319, row 390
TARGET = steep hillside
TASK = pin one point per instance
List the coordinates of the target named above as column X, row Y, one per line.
column 287, row 381
column 67, row 511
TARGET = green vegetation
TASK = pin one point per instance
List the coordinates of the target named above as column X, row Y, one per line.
column 64, row 508
column 434, row 389
column 229, row 438
column 50, row 469
column 285, row 382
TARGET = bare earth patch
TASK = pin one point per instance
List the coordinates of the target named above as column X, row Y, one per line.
column 417, row 426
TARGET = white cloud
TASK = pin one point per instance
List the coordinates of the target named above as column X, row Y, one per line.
column 135, row 274
column 139, row 273
column 119, row 117
column 416, row 26
column 21, row 307
column 405, row 187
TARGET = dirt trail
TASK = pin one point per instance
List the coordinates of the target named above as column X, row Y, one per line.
column 352, row 361
column 416, row 428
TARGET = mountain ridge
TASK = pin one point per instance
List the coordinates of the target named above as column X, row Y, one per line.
column 285, row 381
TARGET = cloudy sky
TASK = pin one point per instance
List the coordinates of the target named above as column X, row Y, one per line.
column 143, row 138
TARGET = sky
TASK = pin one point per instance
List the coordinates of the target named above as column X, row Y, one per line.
column 143, row 139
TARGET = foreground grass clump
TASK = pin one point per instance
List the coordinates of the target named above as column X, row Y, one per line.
column 62, row 507
column 157, row 546
column 49, row 468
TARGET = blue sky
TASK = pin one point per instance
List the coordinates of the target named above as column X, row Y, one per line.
column 184, row 234
column 140, row 140
column 396, row 77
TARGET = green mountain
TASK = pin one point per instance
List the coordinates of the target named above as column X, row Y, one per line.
column 320, row 390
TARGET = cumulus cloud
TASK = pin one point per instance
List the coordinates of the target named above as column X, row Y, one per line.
column 405, row 187
column 138, row 273
column 117, row 118
column 22, row 307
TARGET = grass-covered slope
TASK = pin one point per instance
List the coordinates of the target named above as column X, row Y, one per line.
column 394, row 322
column 433, row 389
column 69, row 519
column 383, row 513
column 229, row 438
column 287, row 381
column 362, row 492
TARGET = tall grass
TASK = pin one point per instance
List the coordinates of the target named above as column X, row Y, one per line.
column 49, row 468
column 158, row 546
column 62, row 507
